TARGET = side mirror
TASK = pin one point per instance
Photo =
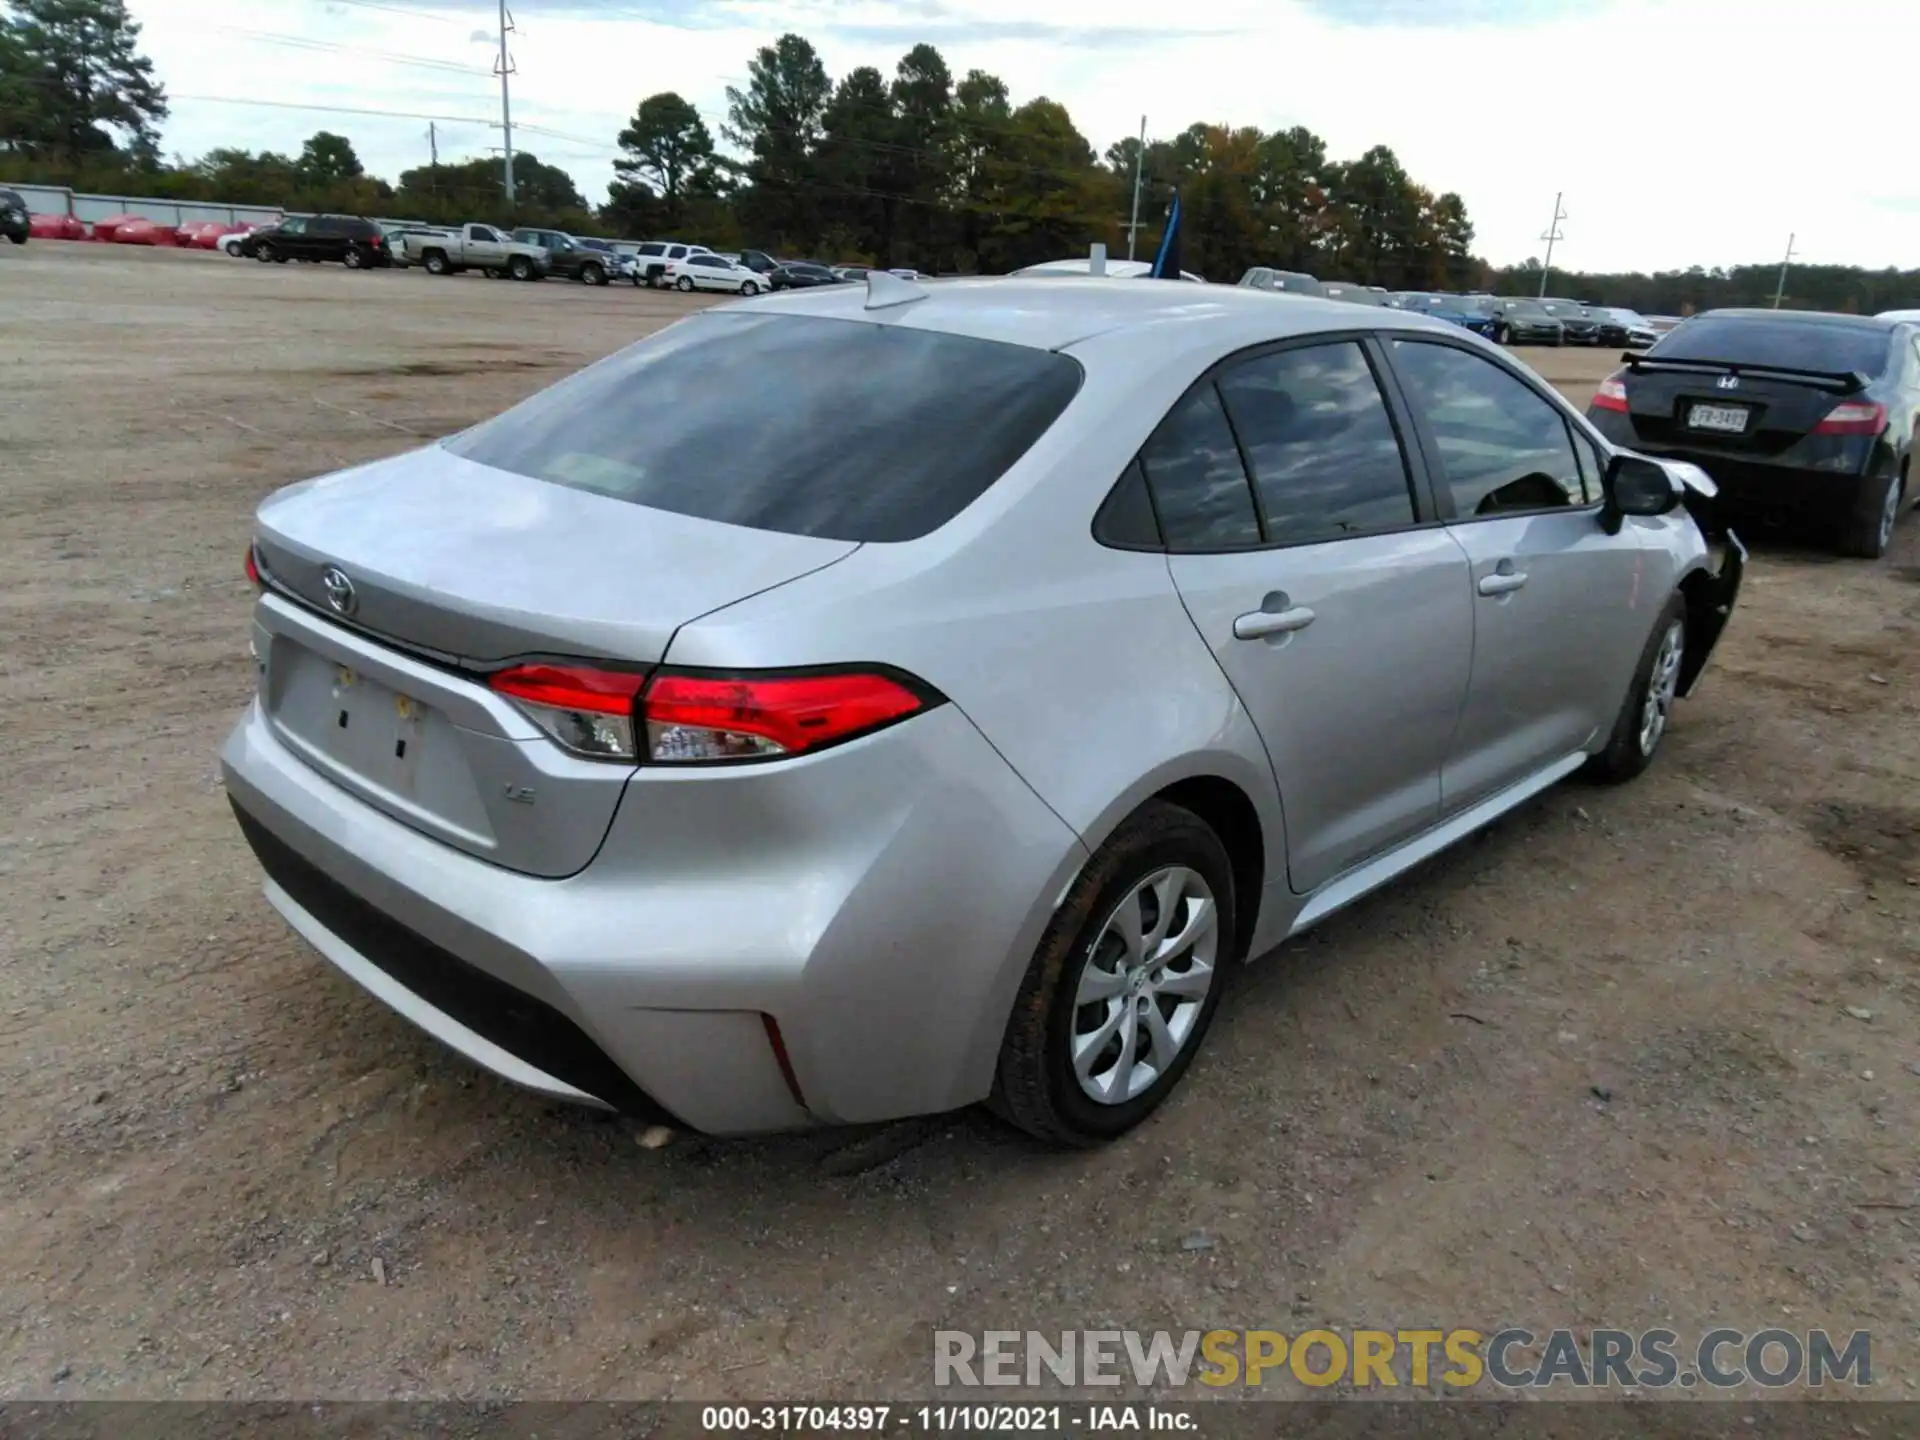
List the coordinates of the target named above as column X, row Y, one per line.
column 1638, row 486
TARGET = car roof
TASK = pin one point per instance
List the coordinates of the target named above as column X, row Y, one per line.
column 1052, row 313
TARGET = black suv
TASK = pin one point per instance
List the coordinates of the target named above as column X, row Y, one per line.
column 357, row 243
column 15, row 223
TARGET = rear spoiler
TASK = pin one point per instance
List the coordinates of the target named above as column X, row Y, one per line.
column 1841, row 382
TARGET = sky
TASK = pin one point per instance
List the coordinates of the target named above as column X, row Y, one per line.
column 1679, row 132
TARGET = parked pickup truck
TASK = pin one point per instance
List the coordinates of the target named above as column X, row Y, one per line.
column 590, row 261
column 478, row 247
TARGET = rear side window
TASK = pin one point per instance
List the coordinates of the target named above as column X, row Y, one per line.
column 1837, row 348
column 1502, row 447
column 1199, row 486
column 882, row 432
column 1326, row 462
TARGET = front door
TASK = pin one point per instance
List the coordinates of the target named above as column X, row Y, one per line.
column 1334, row 601
column 1561, row 609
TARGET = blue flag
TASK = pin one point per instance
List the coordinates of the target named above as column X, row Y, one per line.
column 1166, row 264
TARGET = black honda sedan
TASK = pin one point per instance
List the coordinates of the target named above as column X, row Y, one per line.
column 1800, row 415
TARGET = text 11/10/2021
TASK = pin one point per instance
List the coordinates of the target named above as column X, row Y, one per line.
column 947, row 1419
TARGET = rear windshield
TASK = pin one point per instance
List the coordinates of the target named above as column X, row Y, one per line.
column 878, row 432
column 1838, row 348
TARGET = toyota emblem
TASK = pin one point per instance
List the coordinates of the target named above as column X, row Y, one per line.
column 340, row 594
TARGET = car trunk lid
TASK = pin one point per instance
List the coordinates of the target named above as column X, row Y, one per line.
column 451, row 568
column 1756, row 411
column 475, row 565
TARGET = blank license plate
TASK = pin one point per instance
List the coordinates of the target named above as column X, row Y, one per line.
column 1729, row 418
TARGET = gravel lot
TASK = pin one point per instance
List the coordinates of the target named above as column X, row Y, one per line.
column 1634, row 1057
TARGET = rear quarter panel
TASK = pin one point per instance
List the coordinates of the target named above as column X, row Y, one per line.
column 1077, row 662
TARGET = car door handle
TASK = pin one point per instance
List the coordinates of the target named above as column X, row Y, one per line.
column 1276, row 616
column 1502, row 582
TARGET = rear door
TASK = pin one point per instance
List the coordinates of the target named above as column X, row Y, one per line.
column 1320, row 577
column 1559, row 608
column 325, row 239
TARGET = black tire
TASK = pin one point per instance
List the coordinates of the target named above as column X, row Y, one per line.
column 520, row 268
column 353, row 259
column 1035, row 1087
column 18, row 237
column 593, row 274
column 684, row 284
column 1626, row 755
column 1868, row 531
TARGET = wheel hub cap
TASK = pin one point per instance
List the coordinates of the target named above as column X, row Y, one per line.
column 1662, row 686
column 1144, row 983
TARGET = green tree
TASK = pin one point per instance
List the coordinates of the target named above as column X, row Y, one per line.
column 667, row 147
column 1046, row 194
column 852, row 163
column 76, row 78
column 776, row 119
column 327, row 159
column 919, row 160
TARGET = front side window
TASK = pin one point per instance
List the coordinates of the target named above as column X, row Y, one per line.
column 1325, row 459
column 1502, row 447
column 293, row 227
column 885, row 433
column 1199, row 486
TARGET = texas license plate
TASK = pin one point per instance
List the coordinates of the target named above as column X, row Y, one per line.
column 1729, row 419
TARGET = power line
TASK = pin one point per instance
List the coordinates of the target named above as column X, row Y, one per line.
column 400, row 10
column 306, row 42
column 334, row 109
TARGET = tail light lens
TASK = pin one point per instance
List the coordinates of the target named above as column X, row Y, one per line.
column 1855, row 417
column 683, row 718
column 253, row 567
column 584, row 710
column 700, row 719
column 1612, row 395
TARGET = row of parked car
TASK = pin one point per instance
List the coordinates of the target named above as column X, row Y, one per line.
column 1509, row 319
column 533, row 253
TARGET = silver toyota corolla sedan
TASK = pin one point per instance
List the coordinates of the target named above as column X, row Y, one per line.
column 950, row 731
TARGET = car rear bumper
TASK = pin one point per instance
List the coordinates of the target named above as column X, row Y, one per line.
column 878, row 903
column 1827, row 486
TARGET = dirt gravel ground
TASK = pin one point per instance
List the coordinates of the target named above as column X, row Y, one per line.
column 1635, row 1057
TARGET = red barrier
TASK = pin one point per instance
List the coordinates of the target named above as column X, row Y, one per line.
column 139, row 232
column 108, row 228
column 56, row 227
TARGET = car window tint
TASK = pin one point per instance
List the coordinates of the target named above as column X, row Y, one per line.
column 883, row 432
column 1126, row 520
column 1502, row 447
column 1325, row 460
column 1199, row 486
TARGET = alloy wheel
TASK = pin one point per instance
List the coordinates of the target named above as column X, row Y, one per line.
column 1663, row 684
column 1144, row 985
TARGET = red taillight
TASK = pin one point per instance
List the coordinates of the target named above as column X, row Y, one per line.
column 1854, row 417
column 1612, row 394
column 253, row 569
column 586, row 710
column 696, row 718
column 693, row 719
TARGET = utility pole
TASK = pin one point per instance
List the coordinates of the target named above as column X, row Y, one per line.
column 1781, row 289
column 503, row 67
column 1139, row 160
column 433, row 144
column 1553, row 234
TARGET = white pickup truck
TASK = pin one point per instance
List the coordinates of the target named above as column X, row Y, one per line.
column 478, row 247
